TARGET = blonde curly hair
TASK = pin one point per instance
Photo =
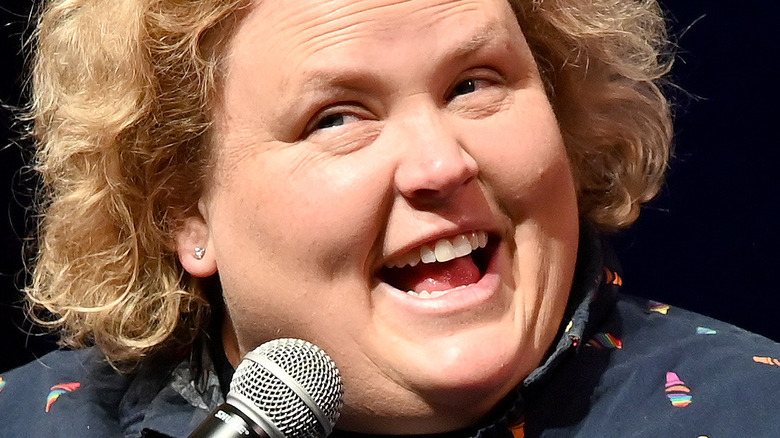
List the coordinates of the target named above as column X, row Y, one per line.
column 120, row 111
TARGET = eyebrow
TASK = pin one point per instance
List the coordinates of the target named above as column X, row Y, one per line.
column 483, row 36
column 364, row 80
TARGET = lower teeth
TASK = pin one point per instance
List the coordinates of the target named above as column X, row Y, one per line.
column 428, row 295
column 425, row 294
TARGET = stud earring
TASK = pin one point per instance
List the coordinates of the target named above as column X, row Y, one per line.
column 199, row 253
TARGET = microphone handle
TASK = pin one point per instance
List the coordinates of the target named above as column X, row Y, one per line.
column 227, row 421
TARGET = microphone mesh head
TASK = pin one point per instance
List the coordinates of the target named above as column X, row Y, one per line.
column 310, row 367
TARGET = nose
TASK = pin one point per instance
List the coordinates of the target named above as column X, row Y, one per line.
column 434, row 164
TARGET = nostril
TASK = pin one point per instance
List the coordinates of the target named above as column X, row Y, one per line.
column 428, row 197
column 436, row 182
column 426, row 194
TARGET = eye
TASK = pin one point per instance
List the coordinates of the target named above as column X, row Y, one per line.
column 467, row 86
column 334, row 120
column 464, row 87
column 478, row 93
column 331, row 118
column 341, row 127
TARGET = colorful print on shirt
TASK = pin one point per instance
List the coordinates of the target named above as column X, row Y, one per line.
column 612, row 277
column 655, row 306
column 679, row 394
column 767, row 360
column 605, row 340
column 705, row 331
column 58, row 390
column 518, row 430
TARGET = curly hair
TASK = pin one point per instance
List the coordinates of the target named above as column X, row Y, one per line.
column 120, row 111
column 602, row 62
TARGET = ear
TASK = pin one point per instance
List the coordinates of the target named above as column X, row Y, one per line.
column 193, row 238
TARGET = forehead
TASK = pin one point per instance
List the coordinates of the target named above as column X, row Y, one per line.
column 287, row 56
column 306, row 27
column 349, row 15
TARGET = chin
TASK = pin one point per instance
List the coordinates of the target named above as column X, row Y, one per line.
column 476, row 368
column 447, row 383
column 452, row 393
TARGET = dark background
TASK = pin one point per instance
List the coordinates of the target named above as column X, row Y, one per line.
column 708, row 243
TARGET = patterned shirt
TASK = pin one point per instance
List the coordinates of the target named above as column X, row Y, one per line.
column 621, row 367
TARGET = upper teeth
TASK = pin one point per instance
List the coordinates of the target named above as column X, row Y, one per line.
column 443, row 250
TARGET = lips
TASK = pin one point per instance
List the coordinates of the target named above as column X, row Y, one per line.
column 432, row 270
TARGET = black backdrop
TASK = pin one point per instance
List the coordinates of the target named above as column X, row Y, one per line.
column 707, row 243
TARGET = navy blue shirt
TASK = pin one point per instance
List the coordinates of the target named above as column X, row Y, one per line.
column 621, row 367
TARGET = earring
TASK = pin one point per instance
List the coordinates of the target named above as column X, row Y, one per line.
column 199, row 253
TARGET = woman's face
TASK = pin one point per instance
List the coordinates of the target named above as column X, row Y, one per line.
column 355, row 138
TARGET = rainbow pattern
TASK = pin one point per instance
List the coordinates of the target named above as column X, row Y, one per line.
column 2, row 384
column 605, row 340
column 662, row 308
column 678, row 393
column 57, row 391
column 705, row 331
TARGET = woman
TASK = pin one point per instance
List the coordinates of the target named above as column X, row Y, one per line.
column 411, row 185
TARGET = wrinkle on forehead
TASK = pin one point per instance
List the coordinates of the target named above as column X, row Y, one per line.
column 301, row 29
column 349, row 76
column 313, row 26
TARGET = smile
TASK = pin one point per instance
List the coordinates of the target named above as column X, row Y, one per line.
column 443, row 250
column 434, row 269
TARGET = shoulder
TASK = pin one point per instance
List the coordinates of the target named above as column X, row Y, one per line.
column 77, row 393
column 64, row 393
column 655, row 370
column 659, row 333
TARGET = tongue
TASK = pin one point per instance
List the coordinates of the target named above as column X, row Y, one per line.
column 437, row 276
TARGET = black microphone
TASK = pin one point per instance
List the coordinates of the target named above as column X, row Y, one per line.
column 286, row 388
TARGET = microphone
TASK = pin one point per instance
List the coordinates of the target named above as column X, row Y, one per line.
column 286, row 388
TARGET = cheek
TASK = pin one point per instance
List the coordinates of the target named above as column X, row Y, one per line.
column 524, row 165
column 290, row 239
column 314, row 312
column 288, row 207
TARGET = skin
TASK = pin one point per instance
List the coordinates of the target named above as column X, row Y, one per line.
column 349, row 132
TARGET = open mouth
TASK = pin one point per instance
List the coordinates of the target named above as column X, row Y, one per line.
column 433, row 270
